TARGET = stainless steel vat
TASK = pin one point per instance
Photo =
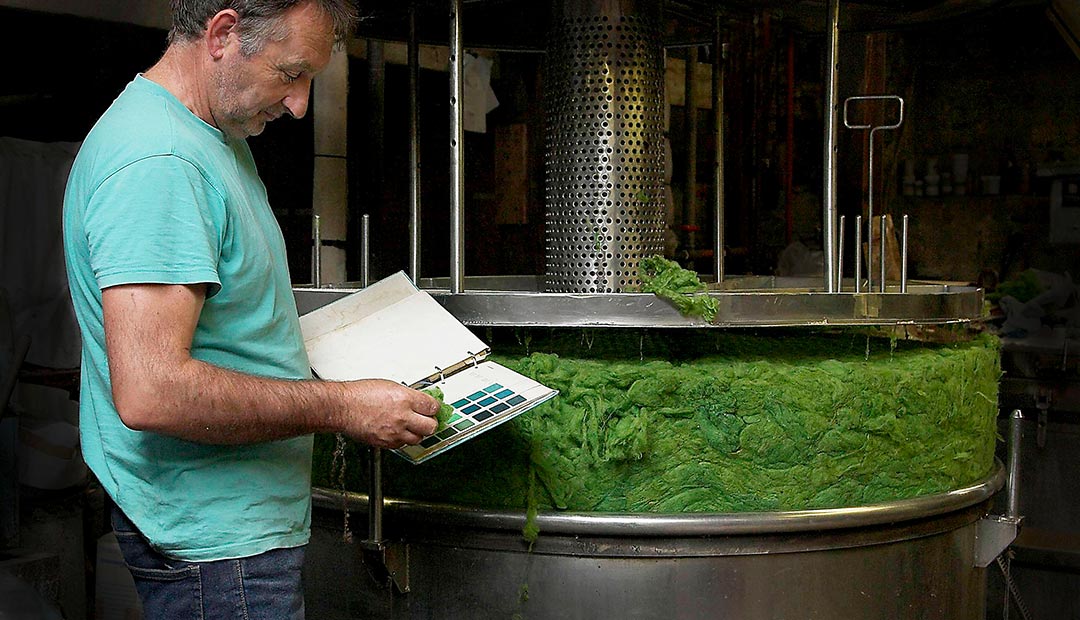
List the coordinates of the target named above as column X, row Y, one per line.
column 913, row 558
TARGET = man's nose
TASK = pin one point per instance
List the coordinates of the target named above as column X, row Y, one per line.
column 296, row 100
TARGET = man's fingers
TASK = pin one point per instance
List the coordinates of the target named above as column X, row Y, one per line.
column 411, row 438
column 429, row 406
column 422, row 425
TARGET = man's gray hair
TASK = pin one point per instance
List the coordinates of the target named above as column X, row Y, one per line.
column 260, row 20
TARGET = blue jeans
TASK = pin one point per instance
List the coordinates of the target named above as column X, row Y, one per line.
column 262, row 587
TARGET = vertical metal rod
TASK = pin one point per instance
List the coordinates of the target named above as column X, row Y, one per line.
column 365, row 248
column 316, row 252
column 840, row 257
column 832, row 79
column 690, row 182
column 1012, row 506
column 858, row 253
column 903, row 255
column 414, row 148
column 375, row 496
column 870, row 215
column 881, row 248
column 375, row 167
column 457, row 151
column 718, row 165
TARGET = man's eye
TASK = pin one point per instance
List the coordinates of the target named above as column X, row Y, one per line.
column 289, row 77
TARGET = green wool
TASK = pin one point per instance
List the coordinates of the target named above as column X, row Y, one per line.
column 715, row 421
column 446, row 411
column 667, row 279
column 1024, row 287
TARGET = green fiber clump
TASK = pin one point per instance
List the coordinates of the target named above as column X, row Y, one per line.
column 723, row 422
column 665, row 278
column 1024, row 287
column 446, row 411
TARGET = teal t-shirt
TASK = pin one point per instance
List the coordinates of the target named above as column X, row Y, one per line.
column 156, row 195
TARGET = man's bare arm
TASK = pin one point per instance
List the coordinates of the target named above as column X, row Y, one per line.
column 158, row 387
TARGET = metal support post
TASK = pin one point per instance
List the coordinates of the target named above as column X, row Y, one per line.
column 832, row 76
column 457, row 151
column 414, row 148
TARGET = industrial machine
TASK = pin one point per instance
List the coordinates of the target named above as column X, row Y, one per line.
column 922, row 557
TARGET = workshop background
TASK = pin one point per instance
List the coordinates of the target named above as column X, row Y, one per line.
column 986, row 165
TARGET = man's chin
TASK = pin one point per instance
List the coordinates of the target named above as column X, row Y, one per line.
column 251, row 128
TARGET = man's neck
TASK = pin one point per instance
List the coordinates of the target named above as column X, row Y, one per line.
column 180, row 72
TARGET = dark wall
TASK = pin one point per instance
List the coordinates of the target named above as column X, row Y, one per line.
column 1003, row 89
column 66, row 70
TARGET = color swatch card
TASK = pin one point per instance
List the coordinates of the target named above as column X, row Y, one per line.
column 393, row 330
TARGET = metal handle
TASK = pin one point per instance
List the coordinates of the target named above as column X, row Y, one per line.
column 870, row 193
column 847, row 105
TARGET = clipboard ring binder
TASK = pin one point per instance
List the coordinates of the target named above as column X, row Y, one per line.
column 440, row 371
column 473, row 357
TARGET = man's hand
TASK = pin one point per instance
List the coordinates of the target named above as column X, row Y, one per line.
column 387, row 414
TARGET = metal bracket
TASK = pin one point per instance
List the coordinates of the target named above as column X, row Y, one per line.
column 391, row 560
column 994, row 534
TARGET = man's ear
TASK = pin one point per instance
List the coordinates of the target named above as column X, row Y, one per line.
column 218, row 30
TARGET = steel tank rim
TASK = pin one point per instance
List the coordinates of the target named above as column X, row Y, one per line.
column 678, row 524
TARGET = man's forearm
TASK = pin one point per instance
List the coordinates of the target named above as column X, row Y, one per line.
column 206, row 403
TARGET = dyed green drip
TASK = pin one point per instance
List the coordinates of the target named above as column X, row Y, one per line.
column 722, row 422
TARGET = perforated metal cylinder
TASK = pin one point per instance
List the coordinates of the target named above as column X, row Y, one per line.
column 605, row 158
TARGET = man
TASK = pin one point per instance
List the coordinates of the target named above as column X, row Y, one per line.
column 197, row 404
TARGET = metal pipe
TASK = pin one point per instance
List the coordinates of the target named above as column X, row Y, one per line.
column 789, row 149
column 690, row 182
column 457, row 151
column 881, row 248
column 375, row 506
column 840, row 257
column 316, row 252
column 1012, row 506
column 365, row 256
column 414, row 147
column 903, row 255
column 689, row 524
column 718, row 163
column 870, row 215
column 858, row 253
column 375, row 167
column 832, row 79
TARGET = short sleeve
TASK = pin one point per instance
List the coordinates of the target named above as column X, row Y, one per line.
column 156, row 221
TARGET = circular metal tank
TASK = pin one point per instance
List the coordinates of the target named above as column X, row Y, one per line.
column 912, row 558
column 604, row 156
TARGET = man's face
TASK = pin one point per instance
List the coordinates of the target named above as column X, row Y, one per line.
column 250, row 91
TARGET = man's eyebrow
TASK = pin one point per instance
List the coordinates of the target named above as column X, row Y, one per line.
column 298, row 65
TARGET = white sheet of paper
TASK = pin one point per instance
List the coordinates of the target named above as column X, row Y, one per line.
column 389, row 330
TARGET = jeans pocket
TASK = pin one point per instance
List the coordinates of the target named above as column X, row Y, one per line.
column 146, row 563
column 142, row 559
column 272, row 584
